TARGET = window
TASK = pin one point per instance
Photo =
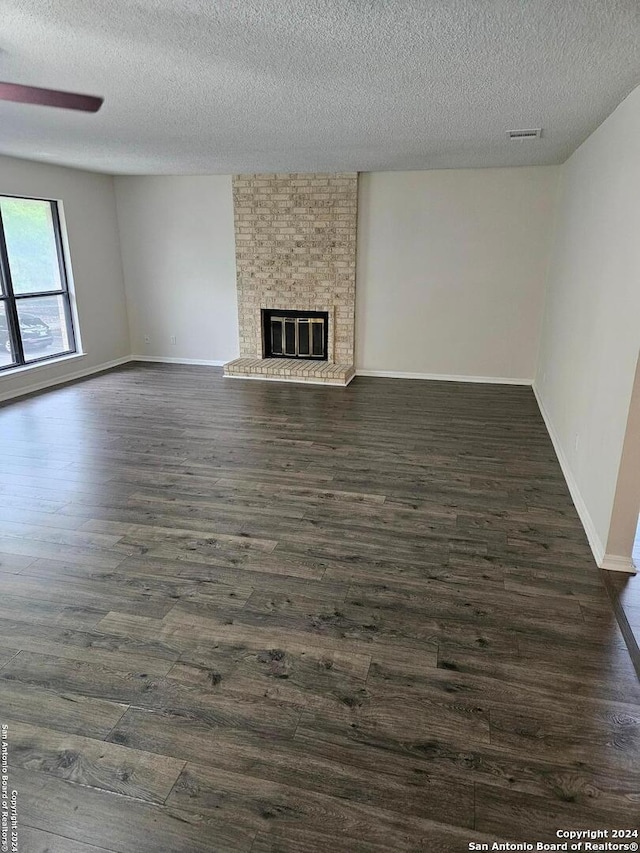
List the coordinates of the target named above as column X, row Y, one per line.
column 35, row 307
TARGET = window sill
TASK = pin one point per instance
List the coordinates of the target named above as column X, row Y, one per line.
column 30, row 368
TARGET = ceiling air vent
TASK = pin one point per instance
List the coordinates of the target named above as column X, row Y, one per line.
column 534, row 133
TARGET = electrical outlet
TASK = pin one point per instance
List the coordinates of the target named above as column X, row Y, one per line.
column 147, row 339
column 577, row 443
column 173, row 339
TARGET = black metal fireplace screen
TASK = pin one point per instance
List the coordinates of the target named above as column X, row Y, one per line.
column 295, row 334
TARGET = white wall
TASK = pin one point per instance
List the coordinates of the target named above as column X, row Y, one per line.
column 88, row 206
column 451, row 270
column 591, row 332
column 178, row 253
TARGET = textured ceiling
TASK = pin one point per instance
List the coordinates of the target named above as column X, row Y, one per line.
column 195, row 86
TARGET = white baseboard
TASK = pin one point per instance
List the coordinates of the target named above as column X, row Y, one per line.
column 161, row 359
column 613, row 563
column 61, row 380
column 596, row 544
column 443, row 377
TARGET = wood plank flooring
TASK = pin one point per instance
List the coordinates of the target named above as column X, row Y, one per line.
column 271, row 618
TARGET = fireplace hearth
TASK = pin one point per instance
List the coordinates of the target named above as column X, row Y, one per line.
column 295, row 334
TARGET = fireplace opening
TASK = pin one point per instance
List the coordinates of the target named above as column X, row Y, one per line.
column 295, row 334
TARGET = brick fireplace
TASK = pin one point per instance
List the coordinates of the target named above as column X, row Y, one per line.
column 296, row 259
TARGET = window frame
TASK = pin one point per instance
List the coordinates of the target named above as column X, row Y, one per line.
column 9, row 299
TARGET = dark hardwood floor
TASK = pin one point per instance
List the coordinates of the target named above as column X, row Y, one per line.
column 244, row 616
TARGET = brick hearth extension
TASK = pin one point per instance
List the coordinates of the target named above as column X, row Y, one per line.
column 291, row 370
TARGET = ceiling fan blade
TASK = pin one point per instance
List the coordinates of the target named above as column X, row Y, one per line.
column 49, row 97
